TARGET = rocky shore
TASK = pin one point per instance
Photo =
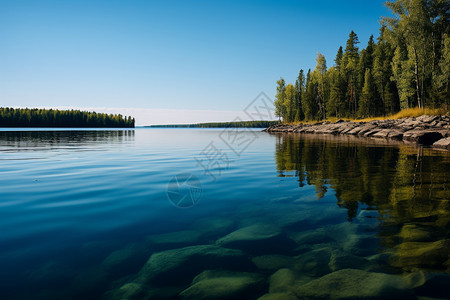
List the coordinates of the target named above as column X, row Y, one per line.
column 425, row 130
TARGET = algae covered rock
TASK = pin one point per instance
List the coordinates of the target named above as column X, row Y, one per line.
column 278, row 296
column 412, row 233
column 273, row 262
column 314, row 262
column 173, row 239
column 213, row 284
column 339, row 261
column 284, row 280
column 356, row 284
column 180, row 265
column 258, row 239
column 421, row 254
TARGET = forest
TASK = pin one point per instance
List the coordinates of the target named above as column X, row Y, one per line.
column 239, row 124
column 407, row 66
column 26, row 117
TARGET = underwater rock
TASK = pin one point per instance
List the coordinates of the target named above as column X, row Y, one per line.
column 173, row 239
column 312, row 237
column 341, row 261
column 212, row 284
column 314, row 263
column 356, row 284
column 284, row 280
column 281, row 281
column 278, row 296
column 361, row 245
column 213, row 227
column 412, row 233
column 126, row 260
column 127, row 291
column 273, row 262
column 421, row 254
column 178, row 266
column 258, row 239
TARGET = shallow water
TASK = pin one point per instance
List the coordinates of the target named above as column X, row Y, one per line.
column 86, row 214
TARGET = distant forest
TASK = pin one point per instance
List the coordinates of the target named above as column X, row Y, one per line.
column 25, row 117
column 407, row 66
column 241, row 124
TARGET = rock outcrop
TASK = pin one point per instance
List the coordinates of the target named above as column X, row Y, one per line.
column 425, row 130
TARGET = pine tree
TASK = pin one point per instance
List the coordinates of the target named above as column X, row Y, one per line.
column 350, row 65
column 367, row 98
column 280, row 110
column 299, row 89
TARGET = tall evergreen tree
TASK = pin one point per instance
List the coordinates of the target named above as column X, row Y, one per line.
column 280, row 110
column 299, row 89
column 350, row 67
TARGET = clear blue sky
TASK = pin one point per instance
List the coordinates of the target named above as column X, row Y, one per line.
column 215, row 55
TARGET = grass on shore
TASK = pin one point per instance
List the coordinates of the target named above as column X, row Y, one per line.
column 405, row 113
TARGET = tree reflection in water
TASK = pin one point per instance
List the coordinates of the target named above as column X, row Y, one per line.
column 407, row 185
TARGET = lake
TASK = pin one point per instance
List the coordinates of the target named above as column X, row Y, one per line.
column 210, row 213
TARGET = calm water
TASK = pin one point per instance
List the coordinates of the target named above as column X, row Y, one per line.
column 81, row 213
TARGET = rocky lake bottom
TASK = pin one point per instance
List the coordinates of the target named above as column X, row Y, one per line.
column 88, row 215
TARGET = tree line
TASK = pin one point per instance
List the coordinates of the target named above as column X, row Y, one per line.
column 26, row 117
column 236, row 124
column 407, row 66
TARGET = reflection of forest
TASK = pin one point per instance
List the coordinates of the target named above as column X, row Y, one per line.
column 408, row 186
column 42, row 138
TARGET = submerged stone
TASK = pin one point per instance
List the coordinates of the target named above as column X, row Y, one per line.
column 421, row 254
column 278, row 296
column 341, row 261
column 412, row 233
column 284, row 280
column 258, row 239
column 178, row 266
column 273, row 262
column 214, row 226
column 212, row 284
column 173, row 239
column 356, row 284
column 314, row 263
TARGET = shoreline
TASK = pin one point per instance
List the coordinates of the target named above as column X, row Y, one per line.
column 425, row 130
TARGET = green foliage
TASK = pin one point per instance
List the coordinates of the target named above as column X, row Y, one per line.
column 25, row 117
column 280, row 109
column 408, row 66
column 237, row 124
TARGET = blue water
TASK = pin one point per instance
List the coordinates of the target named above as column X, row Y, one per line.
column 71, row 198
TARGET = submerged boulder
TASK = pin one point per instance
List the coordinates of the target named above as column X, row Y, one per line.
column 421, row 254
column 278, row 296
column 273, row 262
column 214, row 284
column 339, row 261
column 177, row 266
column 356, row 284
column 258, row 239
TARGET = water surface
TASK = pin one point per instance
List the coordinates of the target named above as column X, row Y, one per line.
column 82, row 211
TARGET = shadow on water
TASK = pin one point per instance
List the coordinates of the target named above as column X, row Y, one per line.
column 408, row 187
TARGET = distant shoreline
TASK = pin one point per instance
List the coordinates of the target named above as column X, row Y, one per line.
column 238, row 124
